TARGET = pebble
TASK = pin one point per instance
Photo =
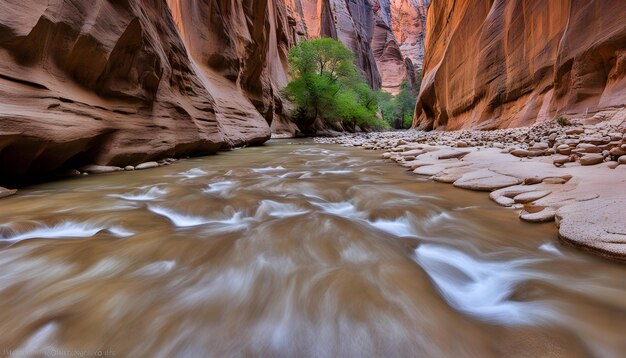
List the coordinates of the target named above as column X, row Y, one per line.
column 564, row 149
column 618, row 151
column 561, row 159
column 147, row 165
column 99, row 169
column 588, row 148
column 540, row 146
column 591, row 159
column 576, row 130
column 453, row 155
column 554, row 180
column 520, row 153
column 596, row 140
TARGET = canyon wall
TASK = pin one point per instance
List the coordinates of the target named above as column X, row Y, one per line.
column 504, row 63
column 117, row 82
column 386, row 36
column 408, row 21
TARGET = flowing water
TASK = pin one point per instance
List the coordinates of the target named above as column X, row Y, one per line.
column 293, row 249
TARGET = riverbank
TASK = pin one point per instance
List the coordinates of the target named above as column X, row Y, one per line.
column 99, row 169
column 574, row 175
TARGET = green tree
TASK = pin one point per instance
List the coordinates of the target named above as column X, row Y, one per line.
column 418, row 81
column 386, row 106
column 405, row 104
column 325, row 84
column 397, row 111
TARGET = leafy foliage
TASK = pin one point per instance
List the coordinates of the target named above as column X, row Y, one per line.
column 397, row 110
column 326, row 85
column 562, row 121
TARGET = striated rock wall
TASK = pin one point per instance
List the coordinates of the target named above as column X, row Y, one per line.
column 398, row 43
column 368, row 28
column 347, row 21
column 117, row 82
column 241, row 47
column 408, row 20
column 504, row 63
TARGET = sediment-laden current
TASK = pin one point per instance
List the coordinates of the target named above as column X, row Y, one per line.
column 293, row 249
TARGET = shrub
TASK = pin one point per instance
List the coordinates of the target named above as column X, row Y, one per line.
column 562, row 121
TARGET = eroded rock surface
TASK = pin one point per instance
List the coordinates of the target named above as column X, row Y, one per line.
column 128, row 81
column 496, row 64
column 595, row 225
column 520, row 169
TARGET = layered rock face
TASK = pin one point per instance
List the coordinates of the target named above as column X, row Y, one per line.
column 400, row 55
column 120, row 82
column 240, row 47
column 496, row 64
column 347, row 21
column 392, row 64
column 370, row 29
column 408, row 20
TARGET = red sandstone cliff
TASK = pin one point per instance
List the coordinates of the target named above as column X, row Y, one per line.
column 399, row 41
column 511, row 63
column 408, row 20
column 117, row 82
column 241, row 47
column 369, row 29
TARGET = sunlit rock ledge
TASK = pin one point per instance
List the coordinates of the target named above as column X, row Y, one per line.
column 574, row 175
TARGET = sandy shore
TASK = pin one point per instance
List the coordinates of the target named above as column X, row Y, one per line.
column 574, row 175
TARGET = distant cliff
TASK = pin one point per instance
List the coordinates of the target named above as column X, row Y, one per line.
column 505, row 63
column 386, row 36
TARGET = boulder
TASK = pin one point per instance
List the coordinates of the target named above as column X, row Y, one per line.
column 597, row 225
column 485, row 180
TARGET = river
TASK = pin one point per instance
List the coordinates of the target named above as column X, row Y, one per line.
column 293, row 249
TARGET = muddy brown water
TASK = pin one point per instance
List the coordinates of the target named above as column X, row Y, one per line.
column 293, row 249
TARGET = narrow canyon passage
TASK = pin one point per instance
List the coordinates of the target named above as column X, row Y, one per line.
column 293, row 249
